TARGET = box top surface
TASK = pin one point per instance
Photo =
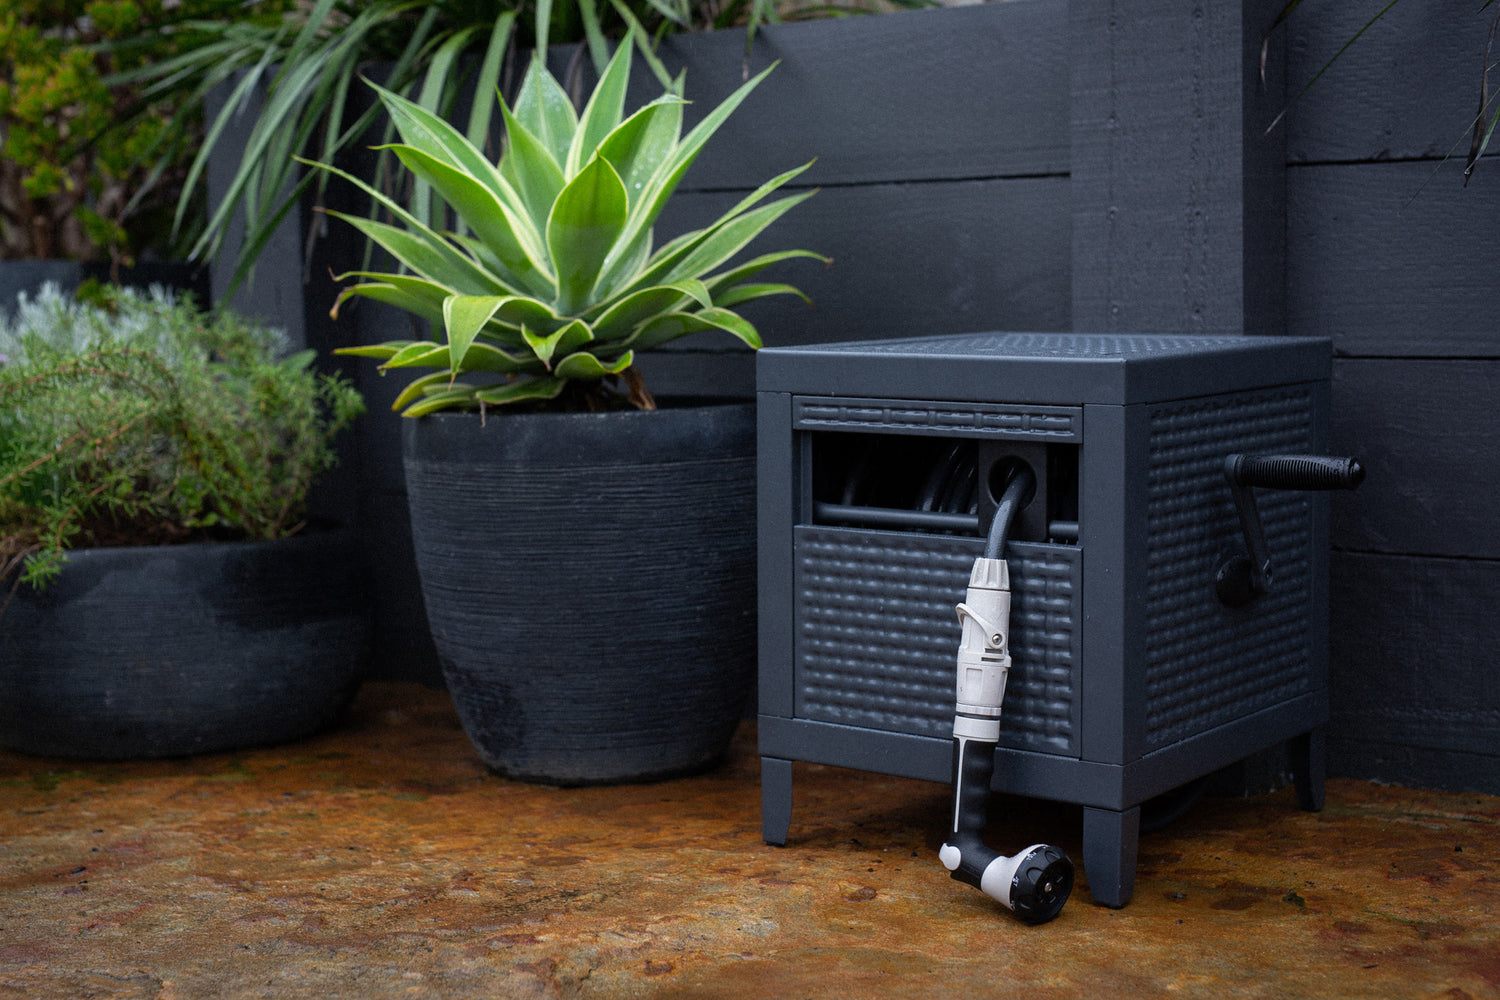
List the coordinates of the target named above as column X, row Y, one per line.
column 1061, row 368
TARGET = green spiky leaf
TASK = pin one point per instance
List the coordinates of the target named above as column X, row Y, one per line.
column 582, row 364
column 585, row 223
column 552, row 275
column 563, row 342
column 521, row 390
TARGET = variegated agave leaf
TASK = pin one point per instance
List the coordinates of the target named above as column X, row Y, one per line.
column 550, row 277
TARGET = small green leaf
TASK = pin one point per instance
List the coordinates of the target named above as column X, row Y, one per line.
column 564, row 341
column 529, row 167
column 518, row 312
column 723, row 242
column 299, row 360
column 718, row 283
column 641, row 143
column 740, row 294
column 459, row 397
column 582, row 364
column 471, row 317
column 669, row 173
column 629, row 312
column 544, row 387
column 429, row 255
column 391, row 293
column 509, row 234
column 417, row 388
column 484, row 357
column 464, row 316
column 379, row 351
column 426, row 131
column 418, row 354
column 674, row 325
column 544, row 109
column 586, row 220
column 603, row 112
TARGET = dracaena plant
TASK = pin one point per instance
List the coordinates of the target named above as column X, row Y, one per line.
column 548, row 286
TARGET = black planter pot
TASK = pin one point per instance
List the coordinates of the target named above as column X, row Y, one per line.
column 164, row 651
column 590, row 584
column 28, row 276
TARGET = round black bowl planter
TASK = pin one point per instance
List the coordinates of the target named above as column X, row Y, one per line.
column 164, row 651
column 28, row 276
column 590, row 584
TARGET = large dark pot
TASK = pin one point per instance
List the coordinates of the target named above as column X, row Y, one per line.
column 590, row 584
column 163, row 651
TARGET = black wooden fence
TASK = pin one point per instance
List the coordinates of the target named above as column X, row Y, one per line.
column 1101, row 166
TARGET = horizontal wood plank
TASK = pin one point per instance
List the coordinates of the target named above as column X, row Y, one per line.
column 718, row 374
column 1408, row 87
column 979, row 91
column 1425, row 432
column 1415, row 696
column 1394, row 259
column 911, row 259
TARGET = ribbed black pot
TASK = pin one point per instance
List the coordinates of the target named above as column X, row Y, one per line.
column 164, row 651
column 590, row 584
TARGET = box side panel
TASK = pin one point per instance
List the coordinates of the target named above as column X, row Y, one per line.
column 1112, row 539
column 1206, row 664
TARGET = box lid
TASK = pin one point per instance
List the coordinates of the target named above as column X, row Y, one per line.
column 1052, row 368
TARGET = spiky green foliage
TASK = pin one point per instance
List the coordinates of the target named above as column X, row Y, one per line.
column 551, row 286
column 288, row 80
column 142, row 421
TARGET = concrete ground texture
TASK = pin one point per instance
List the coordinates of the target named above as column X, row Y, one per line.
column 381, row 859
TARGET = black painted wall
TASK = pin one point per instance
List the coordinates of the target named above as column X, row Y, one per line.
column 1105, row 166
column 1395, row 259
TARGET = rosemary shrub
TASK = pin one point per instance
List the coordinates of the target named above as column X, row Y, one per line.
column 135, row 419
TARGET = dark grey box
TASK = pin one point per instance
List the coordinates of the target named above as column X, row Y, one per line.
column 1130, row 676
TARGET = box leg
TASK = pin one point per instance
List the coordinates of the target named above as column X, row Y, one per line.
column 1111, row 839
column 1308, row 755
column 775, row 799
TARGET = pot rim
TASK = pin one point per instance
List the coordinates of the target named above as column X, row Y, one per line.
column 666, row 406
column 316, row 531
column 630, row 437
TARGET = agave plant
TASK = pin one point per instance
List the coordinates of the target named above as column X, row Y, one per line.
column 549, row 286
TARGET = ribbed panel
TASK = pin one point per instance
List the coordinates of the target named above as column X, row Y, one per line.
column 948, row 419
column 1038, row 345
column 590, row 584
column 878, row 634
column 1205, row 664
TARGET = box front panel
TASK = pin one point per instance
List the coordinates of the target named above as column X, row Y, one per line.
column 877, row 634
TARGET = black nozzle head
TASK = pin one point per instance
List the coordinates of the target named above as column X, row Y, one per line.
column 1041, row 885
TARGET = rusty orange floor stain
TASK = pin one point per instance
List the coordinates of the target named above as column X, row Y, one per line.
column 383, row 860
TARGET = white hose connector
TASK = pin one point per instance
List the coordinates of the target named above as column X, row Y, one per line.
column 1035, row 883
column 983, row 650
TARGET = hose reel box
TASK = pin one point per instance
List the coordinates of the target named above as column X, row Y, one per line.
column 879, row 467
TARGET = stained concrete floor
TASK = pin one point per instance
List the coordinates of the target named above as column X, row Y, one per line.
column 382, row 860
